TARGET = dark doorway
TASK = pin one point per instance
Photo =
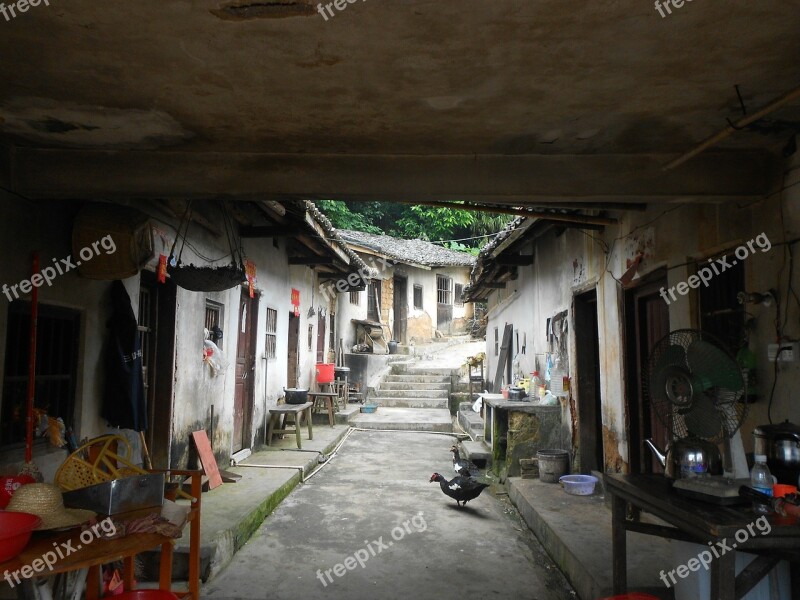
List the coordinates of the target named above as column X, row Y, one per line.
column 590, row 423
column 157, row 303
column 321, row 340
column 444, row 303
column 293, row 345
column 400, row 309
column 646, row 322
column 245, row 370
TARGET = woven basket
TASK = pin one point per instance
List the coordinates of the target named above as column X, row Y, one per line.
column 77, row 472
column 206, row 279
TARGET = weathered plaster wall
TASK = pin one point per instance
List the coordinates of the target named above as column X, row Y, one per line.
column 672, row 236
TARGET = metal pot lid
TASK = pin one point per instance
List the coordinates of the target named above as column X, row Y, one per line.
column 778, row 430
column 294, row 390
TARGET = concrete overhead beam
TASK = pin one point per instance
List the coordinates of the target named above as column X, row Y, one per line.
column 518, row 179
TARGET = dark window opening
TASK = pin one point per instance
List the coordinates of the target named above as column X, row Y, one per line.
column 213, row 320
column 57, row 334
column 355, row 298
column 496, row 341
column 418, row 297
column 721, row 315
column 458, row 298
column 272, row 333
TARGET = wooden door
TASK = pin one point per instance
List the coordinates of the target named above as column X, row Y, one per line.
column 646, row 322
column 157, row 308
column 245, row 371
column 444, row 303
column 293, row 356
column 321, row 339
column 400, row 310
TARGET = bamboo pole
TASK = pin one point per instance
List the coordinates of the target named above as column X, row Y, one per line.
column 731, row 129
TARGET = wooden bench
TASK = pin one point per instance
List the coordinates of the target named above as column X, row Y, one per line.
column 297, row 410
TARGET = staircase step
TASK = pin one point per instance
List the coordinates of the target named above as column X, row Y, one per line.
column 383, row 393
column 408, row 419
column 411, row 402
column 414, row 385
column 419, row 378
column 478, row 453
column 430, row 372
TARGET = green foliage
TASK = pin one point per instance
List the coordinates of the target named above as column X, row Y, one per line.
column 343, row 218
column 415, row 221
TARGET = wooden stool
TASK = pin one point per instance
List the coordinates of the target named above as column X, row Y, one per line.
column 328, row 398
column 297, row 410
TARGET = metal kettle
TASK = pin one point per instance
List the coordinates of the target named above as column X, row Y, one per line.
column 688, row 457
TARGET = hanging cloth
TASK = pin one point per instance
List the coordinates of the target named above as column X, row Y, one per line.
column 124, row 403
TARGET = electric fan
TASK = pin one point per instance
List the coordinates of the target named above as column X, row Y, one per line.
column 696, row 390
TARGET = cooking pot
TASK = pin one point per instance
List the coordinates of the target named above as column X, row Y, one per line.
column 516, row 393
column 688, row 457
column 296, row 395
column 780, row 443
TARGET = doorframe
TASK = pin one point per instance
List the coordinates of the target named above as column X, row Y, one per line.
column 165, row 346
column 250, row 391
column 632, row 365
column 590, row 418
column 400, row 301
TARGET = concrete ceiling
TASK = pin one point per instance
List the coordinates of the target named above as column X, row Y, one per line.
column 513, row 101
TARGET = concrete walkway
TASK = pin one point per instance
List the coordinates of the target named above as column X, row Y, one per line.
column 373, row 503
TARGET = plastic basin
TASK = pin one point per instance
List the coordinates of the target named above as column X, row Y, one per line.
column 578, row 485
column 369, row 408
column 325, row 372
column 15, row 531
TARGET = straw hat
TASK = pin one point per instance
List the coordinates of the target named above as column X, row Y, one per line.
column 45, row 501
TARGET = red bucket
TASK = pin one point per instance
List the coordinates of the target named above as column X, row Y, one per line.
column 325, row 372
column 10, row 484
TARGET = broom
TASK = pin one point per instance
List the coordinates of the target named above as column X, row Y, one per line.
column 30, row 468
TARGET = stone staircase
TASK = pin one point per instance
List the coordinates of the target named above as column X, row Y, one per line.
column 414, row 390
column 411, row 398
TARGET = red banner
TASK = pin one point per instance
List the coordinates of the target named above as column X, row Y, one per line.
column 250, row 271
column 296, row 302
column 162, row 269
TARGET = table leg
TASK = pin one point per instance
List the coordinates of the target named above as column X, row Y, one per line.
column 165, row 567
column 128, row 573
column 330, row 411
column 619, row 550
column 310, row 429
column 93, row 583
column 298, row 420
column 270, row 427
column 723, row 577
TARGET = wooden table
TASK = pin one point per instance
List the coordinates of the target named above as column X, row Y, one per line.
column 92, row 555
column 297, row 410
column 701, row 523
column 328, row 398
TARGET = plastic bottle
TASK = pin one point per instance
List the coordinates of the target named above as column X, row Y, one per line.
column 761, row 480
column 536, row 383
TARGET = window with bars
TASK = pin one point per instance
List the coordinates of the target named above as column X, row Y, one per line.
column 418, row 297
column 444, row 289
column 355, row 298
column 496, row 341
column 458, row 295
column 272, row 333
column 373, row 299
column 57, row 334
column 214, row 319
